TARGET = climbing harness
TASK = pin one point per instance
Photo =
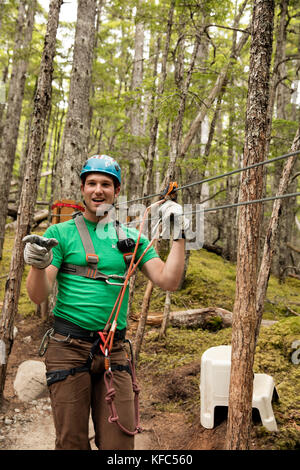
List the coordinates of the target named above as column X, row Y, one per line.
column 105, row 339
column 92, row 259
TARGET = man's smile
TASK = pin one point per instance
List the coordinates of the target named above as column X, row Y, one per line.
column 98, row 200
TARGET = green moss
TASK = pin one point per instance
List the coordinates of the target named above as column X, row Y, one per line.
column 181, row 346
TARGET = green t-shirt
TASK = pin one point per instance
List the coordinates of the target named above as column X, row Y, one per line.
column 83, row 301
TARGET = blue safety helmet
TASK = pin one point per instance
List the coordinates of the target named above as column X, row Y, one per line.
column 102, row 164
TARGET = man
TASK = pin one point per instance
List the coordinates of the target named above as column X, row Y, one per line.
column 83, row 306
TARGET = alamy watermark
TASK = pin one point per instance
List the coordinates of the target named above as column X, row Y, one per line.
column 187, row 219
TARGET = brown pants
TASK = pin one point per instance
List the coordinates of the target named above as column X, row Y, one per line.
column 72, row 399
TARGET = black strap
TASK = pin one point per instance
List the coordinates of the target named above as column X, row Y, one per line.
column 59, row 375
column 66, row 328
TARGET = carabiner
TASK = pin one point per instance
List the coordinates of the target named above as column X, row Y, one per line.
column 45, row 341
column 114, row 276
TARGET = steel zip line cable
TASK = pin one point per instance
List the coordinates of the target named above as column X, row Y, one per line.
column 213, row 178
column 244, row 203
column 226, row 206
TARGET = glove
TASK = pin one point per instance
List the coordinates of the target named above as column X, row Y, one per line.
column 38, row 250
column 172, row 213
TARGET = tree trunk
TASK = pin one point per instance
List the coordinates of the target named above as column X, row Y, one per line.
column 160, row 90
column 135, row 111
column 166, row 315
column 142, row 321
column 270, row 238
column 42, row 104
column 74, row 147
column 223, row 76
column 176, row 133
column 244, row 314
column 276, row 94
column 14, row 106
column 2, row 98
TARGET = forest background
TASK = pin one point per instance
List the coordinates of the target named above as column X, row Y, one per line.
column 167, row 98
column 161, row 86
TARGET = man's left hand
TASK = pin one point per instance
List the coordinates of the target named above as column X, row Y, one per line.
column 172, row 213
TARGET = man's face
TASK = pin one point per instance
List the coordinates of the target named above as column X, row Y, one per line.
column 98, row 190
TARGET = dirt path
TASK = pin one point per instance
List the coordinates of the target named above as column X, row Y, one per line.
column 33, row 429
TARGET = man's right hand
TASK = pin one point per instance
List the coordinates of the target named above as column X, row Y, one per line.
column 38, row 250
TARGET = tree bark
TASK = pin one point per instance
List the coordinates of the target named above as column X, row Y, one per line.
column 139, row 336
column 176, row 132
column 14, row 106
column 277, row 92
column 160, row 90
column 244, row 313
column 166, row 315
column 74, row 147
column 42, row 104
column 222, row 78
column 135, row 112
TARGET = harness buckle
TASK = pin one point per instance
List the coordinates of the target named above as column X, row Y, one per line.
column 127, row 257
column 92, row 258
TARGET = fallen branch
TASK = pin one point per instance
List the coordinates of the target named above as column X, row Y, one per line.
column 197, row 318
column 37, row 219
column 294, row 275
column 294, row 248
column 218, row 250
column 293, row 311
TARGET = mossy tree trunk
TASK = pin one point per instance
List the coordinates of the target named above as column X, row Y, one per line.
column 244, row 313
column 42, row 104
column 74, row 149
column 11, row 124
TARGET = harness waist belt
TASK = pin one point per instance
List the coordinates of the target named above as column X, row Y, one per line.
column 67, row 328
column 92, row 273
